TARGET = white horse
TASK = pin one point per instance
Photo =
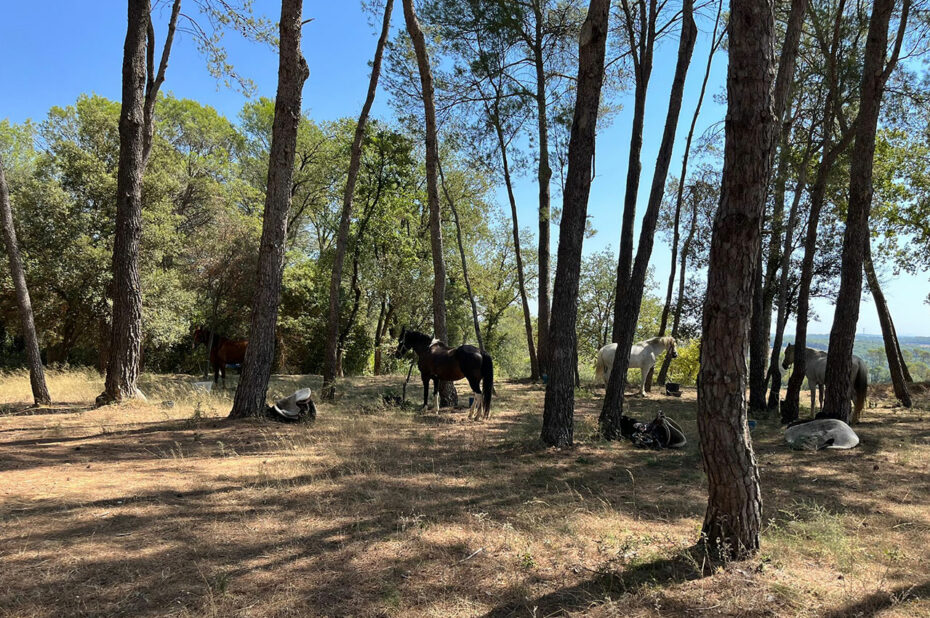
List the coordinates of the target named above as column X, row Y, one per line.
column 815, row 369
column 642, row 356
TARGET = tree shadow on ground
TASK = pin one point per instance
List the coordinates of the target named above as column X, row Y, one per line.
column 686, row 565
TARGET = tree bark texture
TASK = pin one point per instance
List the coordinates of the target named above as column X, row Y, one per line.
column 628, row 316
column 33, row 357
column 447, row 389
column 836, row 402
column 896, row 363
column 641, row 50
column 559, row 411
column 764, row 290
column 544, row 173
column 734, row 509
column 345, row 219
column 292, row 73
column 126, row 323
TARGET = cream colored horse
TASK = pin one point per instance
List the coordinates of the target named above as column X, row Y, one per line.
column 815, row 369
column 643, row 356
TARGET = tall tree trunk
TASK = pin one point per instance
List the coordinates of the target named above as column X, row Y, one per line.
column 461, row 247
column 559, row 411
column 830, row 152
column 613, row 398
column 447, row 389
column 342, row 236
column 764, row 287
column 641, row 49
column 846, row 315
column 521, row 280
column 889, row 337
column 734, row 507
column 679, row 195
column 544, row 174
column 136, row 130
column 292, row 73
column 676, row 320
column 782, row 316
column 33, row 356
column 126, row 323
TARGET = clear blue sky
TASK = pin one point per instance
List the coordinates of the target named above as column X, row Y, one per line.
column 55, row 50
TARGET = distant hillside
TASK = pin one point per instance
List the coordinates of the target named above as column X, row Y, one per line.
column 916, row 352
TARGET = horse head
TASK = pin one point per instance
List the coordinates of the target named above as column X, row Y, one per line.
column 672, row 349
column 200, row 337
column 401, row 343
column 789, row 356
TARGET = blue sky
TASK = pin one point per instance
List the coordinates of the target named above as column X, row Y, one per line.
column 80, row 50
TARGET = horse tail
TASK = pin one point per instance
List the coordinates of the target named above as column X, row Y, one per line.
column 487, row 381
column 599, row 368
column 861, row 384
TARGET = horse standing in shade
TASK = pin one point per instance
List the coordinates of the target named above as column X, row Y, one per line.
column 643, row 356
column 437, row 361
column 223, row 351
column 815, row 368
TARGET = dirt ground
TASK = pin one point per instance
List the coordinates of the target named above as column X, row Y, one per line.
column 167, row 509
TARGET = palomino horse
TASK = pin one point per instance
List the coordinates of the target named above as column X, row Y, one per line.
column 642, row 356
column 437, row 361
column 224, row 351
column 815, row 368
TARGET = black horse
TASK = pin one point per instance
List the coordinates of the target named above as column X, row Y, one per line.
column 437, row 361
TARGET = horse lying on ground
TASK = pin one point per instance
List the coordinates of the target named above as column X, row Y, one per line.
column 437, row 361
column 815, row 369
column 642, row 356
column 223, row 351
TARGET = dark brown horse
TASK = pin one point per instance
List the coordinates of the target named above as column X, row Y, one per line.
column 223, row 351
column 437, row 361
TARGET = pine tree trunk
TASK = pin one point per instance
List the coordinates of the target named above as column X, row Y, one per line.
column 544, row 173
column 292, row 73
column 345, row 220
column 642, row 50
column 559, row 411
column 764, row 290
column 679, row 198
column 629, row 315
column 447, row 389
column 126, row 323
column 676, row 321
column 782, row 316
column 33, row 356
column 843, row 333
column 734, row 509
column 521, row 280
column 889, row 337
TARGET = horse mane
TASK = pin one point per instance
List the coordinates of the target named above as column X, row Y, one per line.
column 412, row 337
column 666, row 341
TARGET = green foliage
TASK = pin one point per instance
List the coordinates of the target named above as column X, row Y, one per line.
column 684, row 369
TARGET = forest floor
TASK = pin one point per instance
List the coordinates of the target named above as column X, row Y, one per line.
column 158, row 509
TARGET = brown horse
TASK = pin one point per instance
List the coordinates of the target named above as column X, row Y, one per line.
column 437, row 361
column 223, row 352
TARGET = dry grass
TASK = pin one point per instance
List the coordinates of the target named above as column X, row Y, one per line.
column 150, row 509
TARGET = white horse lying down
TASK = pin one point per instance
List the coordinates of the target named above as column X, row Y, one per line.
column 821, row 433
column 642, row 356
column 815, row 368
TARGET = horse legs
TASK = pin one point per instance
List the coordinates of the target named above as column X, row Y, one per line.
column 813, row 399
column 477, row 406
column 425, row 392
column 436, row 395
column 216, row 374
column 642, row 382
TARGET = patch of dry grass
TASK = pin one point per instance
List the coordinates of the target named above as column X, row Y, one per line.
column 169, row 509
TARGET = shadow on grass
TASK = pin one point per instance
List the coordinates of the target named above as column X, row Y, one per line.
column 606, row 586
column 877, row 602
